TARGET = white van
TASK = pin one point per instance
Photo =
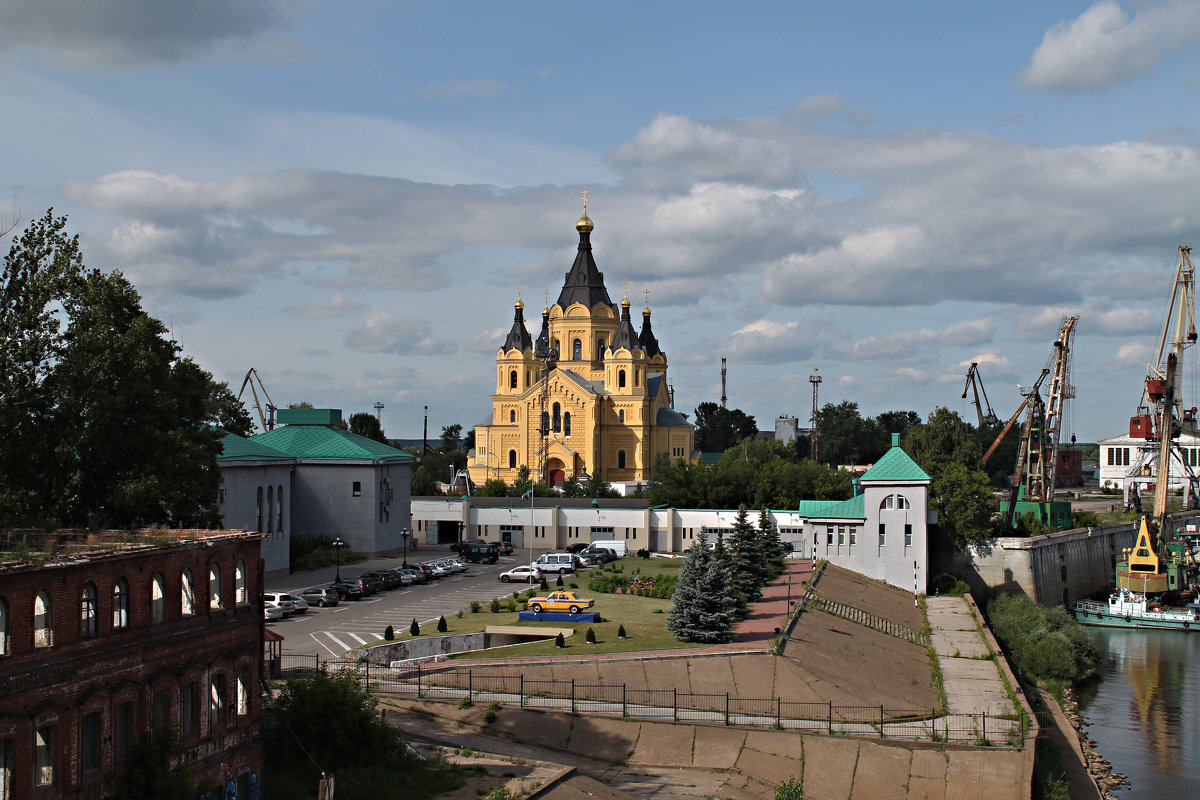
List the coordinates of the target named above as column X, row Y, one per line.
column 616, row 545
column 556, row 562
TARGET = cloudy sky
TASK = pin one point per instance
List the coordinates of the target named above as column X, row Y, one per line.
column 345, row 195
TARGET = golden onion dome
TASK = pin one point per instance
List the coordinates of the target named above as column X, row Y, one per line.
column 519, row 305
column 584, row 225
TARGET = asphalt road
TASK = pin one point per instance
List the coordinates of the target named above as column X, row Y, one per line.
column 334, row 630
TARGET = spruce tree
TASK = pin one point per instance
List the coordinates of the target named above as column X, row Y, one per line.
column 768, row 536
column 747, row 570
column 702, row 602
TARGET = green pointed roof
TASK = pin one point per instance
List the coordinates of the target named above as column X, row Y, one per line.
column 239, row 448
column 321, row 443
column 896, row 465
column 854, row 508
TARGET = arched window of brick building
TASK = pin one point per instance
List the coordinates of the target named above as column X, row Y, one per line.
column 512, row 459
column 239, row 584
column 121, row 604
column 43, row 621
column 87, row 610
column 214, row 586
column 3, row 628
column 279, row 509
column 158, row 599
column 187, row 593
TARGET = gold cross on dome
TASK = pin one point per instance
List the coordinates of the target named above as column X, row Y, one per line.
column 519, row 284
column 546, row 293
column 585, row 194
column 646, row 294
column 627, row 288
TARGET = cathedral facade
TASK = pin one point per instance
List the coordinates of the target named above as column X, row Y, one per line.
column 588, row 397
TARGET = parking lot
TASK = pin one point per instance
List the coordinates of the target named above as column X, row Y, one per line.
column 334, row 630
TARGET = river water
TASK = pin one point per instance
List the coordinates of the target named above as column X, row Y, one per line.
column 1144, row 712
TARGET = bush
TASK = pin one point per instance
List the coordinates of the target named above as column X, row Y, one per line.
column 511, row 605
column 558, row 583
column 590, row 638
column 474, row 606
column 442, row 625
column 791, row 789
column 414, row 629
column 1044, row 643
column 495, row 606
column 643, row 553
column 545, row 587
column 389, row 633
column 559, row 641
column 621, row 632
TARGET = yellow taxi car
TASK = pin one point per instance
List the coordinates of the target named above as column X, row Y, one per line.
column 570, row 602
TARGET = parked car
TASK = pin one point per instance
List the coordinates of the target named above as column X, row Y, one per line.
column 282, row 599
column 556, row 562
column 416, row 573
column 320, row 596
column 348, row 590
column 522, row 574
column 598, row 555
column 437, row 569
column 575, row 548
column 386, row 579
column 570, row 602
column 301, row 604
column 272, row 611
column 458, row 547
column 459, row 564
column 369, row 583
column 506, row 548
column 480, row 551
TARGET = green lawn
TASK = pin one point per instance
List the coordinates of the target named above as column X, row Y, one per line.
column 644, row 618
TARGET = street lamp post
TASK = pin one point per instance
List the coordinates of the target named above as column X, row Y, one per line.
column 338, row 544
column 404, row 533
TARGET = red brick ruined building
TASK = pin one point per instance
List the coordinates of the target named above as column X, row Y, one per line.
column 107, row 637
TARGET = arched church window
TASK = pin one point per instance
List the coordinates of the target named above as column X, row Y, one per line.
column 620, row 459
column 600, row 350
column 567, row 424
column 621, row 415
column 512, row 379
column 577, row 350
column 557, row 418
column 545, row 423
column 637, row 377
column 512, row 415
column 621, row 378
column 512, row 459
column 556, row 348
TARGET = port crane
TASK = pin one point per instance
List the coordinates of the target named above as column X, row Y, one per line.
column 1036, row 468
column 268, row 419
column 975, row 382
column 1159, row 421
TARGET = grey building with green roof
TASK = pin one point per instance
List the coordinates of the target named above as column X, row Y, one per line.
column 338, row 485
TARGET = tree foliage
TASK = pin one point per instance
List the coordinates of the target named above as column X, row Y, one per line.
column 104, row 421
column 703, row 603
column 718, row 429
column 151, row 775
column 1044, row 643
column 744, row 559
column 368, row 425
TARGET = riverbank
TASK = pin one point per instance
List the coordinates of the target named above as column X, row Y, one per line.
column 1106, row 778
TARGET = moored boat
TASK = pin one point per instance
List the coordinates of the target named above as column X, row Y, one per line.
column 1129, row 609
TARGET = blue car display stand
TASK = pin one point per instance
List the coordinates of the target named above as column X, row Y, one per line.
column 557, row 616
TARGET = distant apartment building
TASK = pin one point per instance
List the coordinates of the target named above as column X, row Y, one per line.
column 109, row 637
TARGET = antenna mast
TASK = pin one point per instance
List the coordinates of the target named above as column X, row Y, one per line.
column 815, row 380
column 722, row 382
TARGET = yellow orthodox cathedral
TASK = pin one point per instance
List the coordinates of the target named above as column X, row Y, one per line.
column 588, row 397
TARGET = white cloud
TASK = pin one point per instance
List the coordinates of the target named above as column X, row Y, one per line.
column 818, row 106
column 339, row 305
column 383, row 333
column 1105, row 47
column 1134, row 355
column 768, row 341
column 971, row 332
column 125, row 34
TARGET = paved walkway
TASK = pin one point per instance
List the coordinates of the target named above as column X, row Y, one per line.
column 970, row 676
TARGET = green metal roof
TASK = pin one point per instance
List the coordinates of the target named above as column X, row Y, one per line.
column 239, row 448
column 318, row 443
column 895, row 466
column 854, row 508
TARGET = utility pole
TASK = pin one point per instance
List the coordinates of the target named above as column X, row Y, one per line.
column 722, row 382
column 815, row 380
column 425, row 435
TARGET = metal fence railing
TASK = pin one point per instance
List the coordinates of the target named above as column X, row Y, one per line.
column 449, row 683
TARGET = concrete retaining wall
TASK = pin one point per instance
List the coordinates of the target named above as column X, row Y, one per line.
column 1057, row 568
